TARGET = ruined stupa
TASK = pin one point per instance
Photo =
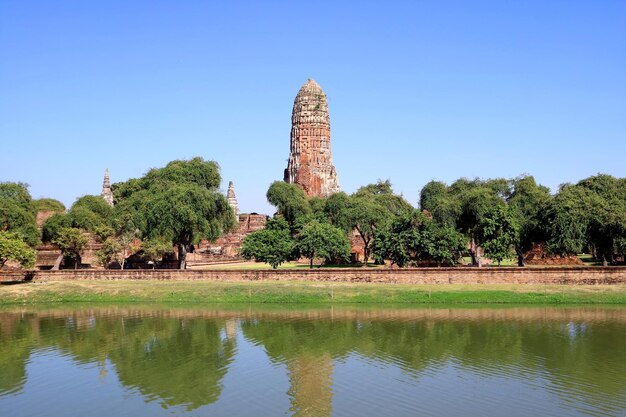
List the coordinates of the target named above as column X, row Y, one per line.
column 310, row 161
column 107, row 194
column 232, row 199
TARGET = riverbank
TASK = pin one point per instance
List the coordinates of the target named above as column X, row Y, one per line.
column 105, row 291
column 427, row 276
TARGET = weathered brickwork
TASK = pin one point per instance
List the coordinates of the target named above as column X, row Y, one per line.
column 226, row 248
column 310, row 161
column 107, row 194
column 531, row 276
column 232, row 199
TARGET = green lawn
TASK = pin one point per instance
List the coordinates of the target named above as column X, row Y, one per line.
column 304, row 292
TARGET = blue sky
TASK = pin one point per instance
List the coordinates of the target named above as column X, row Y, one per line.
column 417, row 90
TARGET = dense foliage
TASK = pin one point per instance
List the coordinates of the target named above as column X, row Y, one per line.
column 323, row 240
column 416, row 238
column 179, row 203
column 17, row 212
column 496, row 218
column 273, row 244
column 13, row 248
column 71, row 241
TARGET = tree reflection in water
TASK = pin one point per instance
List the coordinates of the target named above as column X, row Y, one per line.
column 180, row 358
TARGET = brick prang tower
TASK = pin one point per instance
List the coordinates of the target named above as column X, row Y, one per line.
column 310, row 161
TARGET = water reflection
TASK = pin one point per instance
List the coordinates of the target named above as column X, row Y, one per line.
column 180, row 357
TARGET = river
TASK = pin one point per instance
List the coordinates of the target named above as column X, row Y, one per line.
column 255, row 360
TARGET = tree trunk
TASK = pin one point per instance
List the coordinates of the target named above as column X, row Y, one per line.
column 311, row 264
column 182, row 256
column 57, row 263
column 366, row 251
column 604, row 261
column 520, row 257
column 473, row 252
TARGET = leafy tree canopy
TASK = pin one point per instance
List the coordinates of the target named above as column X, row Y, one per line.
column 498, row 233
column 71, row 241
column 53, row 225
column 415, row 238
column 90, row 212
column 48, row 204
column 529, row 203
column 289, row 200
column 195, row 171
column 179, row 203
column 13, row 248
column 273, row 244
column 589, row 215
column 16, row 212
column 323, row 240
column 17, row 192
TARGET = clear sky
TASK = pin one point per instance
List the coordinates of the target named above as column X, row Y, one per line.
column 417, row 90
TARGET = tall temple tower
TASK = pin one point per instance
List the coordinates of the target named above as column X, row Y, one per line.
column 107, row 194
column 310, row 161
column 232, row 199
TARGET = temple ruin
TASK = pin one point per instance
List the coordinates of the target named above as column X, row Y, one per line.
column 232, row 199
column 106, row 193
column 310, row 161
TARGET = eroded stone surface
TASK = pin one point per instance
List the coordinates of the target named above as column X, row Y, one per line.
column 232, row 199
column 107, row 194
column 226, row 247
column 310, row 161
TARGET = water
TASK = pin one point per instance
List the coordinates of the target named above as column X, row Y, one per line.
column 272, row 361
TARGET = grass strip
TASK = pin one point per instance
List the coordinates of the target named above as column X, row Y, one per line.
column 304, row 292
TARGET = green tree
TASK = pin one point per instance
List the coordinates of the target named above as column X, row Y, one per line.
column 71, row 242
column 185, row 214
column 103, row 232
column 273, row 244
column 416, row 237
column 179, row 203
column 335, row 210
column 323, row 240
column 443, row 205
column 568, row 218
column 109, row 252
column 16, row 192
column 607, row 225
column 53, row 225
column 17, row 213
column 439, row 243
column 13, row 248
column 48, row 204
column 289, row 200
column 382, row 193
column 91, row 213
column 497, row 232
column 365, row 216
column 476, row 199
column 394, row 242
column 118, row 249
column 529, row 203
column 153, row 250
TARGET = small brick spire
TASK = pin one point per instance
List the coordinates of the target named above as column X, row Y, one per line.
column 232, row 199
column 107, row 194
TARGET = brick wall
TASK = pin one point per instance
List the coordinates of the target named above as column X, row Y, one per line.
column 551, row 275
